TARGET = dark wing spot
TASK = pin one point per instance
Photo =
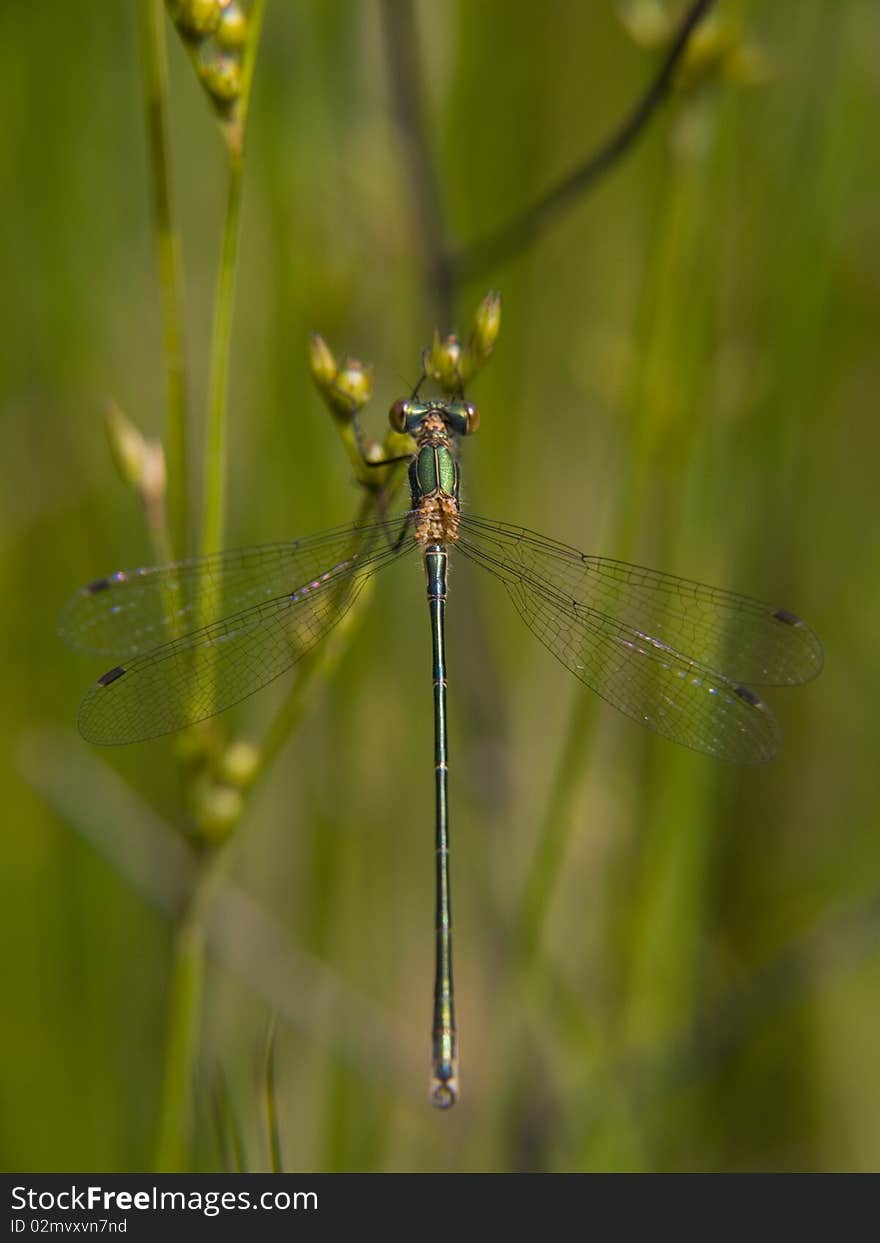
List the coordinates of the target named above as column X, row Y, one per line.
column 110, row 676
column 790, row 619
column 100, row 584
column 749, row 696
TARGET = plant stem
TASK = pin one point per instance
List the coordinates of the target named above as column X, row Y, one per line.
column 215, row 439
column 320, row 662
column 270, row 1089
column 405, row 77
column 214, row 499
column 487, row 252
column 187, row 978
column 155, row 87
column 182, row 1037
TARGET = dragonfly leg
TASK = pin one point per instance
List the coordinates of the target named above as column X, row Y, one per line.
column 389, row 461
column 398, row 543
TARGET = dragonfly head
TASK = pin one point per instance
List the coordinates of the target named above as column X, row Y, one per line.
column 460, row 417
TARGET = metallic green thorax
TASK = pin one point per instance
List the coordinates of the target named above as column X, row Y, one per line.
column 435, row 427
column 434, row 470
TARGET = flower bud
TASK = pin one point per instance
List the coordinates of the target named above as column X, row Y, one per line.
column 442, row 362
column 345, row 389
column 239, row 764
column 486, row 328
column 195, row 19
column 322, row 364
column 127, row 446
column 355, row 382
column 216, row 810
column 647, row 22
column 220, row 74
column 706, row 55
column 231, row 34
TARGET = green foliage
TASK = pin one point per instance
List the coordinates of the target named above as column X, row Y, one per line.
column 661, row 963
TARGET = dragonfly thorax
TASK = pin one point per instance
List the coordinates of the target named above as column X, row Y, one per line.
column 434, row 472
column 434, row 484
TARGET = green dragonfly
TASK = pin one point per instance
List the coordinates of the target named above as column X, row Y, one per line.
column 194, row 638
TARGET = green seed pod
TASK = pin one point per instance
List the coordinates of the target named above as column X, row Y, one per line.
column 322, row 364
column 647, row 22
column 442, row 362
column 220, row 74
column 708, row 50
column 486, row 327
column 195, row 19
column 239, row 765
column 217, row 810
column 345, row 389
column 231, row 34
column 355, row 382
column 127, row 445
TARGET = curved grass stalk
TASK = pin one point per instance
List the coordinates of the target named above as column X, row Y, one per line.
column 155, row 85
column 510, row 239
column 230, row 1142
column 234, row 129
column 181, row 1049
column 214, row 499
column 405, row 77
column 184, row 1011
column 270, row 1099
column 152, row 857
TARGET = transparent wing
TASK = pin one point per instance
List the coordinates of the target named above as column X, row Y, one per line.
column 135, row 611
column 749, row 640
column 262, row 609
column 651, row 644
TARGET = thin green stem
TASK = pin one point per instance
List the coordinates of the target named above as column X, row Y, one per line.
column 216, row 429
column 175, row 1107
column 155, row 88
column 156, row 520
column 487, row 252
column 405, row 78
column 214, row 498
column 187, row 979
column 229, row 1137
column 238, row 123
column 270, row 1088
column 182, row 1034
column 320, row 661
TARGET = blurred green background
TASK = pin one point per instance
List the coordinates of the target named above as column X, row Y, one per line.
column 686, row 376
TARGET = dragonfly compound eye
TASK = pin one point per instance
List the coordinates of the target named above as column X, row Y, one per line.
column 397, row 415
column 472, row 416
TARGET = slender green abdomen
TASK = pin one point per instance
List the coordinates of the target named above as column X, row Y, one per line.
column 444, row 1070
